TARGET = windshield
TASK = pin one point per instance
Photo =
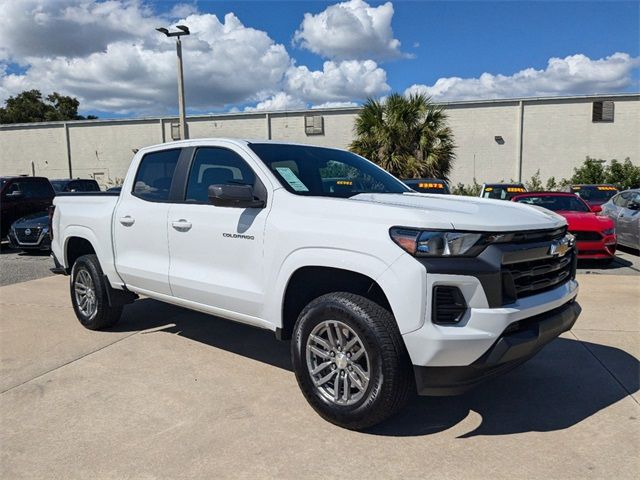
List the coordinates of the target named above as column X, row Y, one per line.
column 502, row 192
column 556, row 203
column 325, row 172
column 427, row 186
column 595, row 192
column 58, row 185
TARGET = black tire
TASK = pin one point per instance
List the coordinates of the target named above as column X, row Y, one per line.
column 390, row 376
column 104, row 316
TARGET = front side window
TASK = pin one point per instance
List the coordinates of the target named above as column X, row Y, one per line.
column 556, row 203
column 154, row 176
column 325, row 172
column 216, row 166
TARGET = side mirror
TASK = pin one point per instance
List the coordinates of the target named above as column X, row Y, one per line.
column 237, row 196
column 596, row 208
column 633, row 206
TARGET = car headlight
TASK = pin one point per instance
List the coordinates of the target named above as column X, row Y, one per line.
column 609, row 231
column 431, row 243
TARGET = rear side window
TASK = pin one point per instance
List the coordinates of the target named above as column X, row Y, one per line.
column 32, row 189
column 216, row 166
column 154, row 176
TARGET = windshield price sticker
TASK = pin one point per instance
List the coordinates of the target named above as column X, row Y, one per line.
column 292, row 179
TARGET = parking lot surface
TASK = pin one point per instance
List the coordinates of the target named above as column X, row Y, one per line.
column 170, row 393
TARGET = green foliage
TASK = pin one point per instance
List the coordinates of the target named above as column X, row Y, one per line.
column 408, row 136
column 534, row 184
column 623, row 174
column 29, row 106
column 469, row 190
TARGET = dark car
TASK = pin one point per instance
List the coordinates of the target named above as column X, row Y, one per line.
column 75, row 185
column 624, row 210
column 21, row 196
column 427, row 185
column 593, row 194
column 117, row 188
column 31, row 232
column 502, row 191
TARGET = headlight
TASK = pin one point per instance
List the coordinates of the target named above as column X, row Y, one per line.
column 428, row 243
column 609, row 231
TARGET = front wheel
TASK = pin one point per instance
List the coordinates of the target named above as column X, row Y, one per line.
column 350, row 361
column 89, row 295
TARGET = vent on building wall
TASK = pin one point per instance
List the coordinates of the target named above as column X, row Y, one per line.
column 314, row 125
column 603, row 111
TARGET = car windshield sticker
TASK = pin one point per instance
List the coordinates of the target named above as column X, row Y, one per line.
column 292, row 179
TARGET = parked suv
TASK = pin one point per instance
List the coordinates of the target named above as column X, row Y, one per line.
column 21, row 196
column 380, row 289
column 593, row 194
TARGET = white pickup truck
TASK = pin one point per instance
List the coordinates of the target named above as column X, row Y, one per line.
column 383, row 291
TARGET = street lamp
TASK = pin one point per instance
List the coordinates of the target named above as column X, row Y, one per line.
column 183, row 30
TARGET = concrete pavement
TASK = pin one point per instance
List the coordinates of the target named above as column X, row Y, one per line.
column 170, row 393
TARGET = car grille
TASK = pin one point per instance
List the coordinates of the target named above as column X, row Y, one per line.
column 523, row 279
column 28, row 235
column 587, row 236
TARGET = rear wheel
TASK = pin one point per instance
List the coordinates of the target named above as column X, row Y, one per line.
column 350, row 361
column 89, row 295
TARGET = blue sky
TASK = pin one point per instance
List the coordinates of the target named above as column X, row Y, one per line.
column 269, row 55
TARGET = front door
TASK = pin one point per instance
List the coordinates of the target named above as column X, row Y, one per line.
column 217, row 252
column 140, row 224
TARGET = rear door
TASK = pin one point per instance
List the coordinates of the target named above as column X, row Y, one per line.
column 140, row 223
column 217, row 252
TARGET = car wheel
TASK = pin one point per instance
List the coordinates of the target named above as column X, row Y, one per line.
column 350, row 360
column 89, row 295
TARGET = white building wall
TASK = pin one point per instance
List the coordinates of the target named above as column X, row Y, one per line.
column 44, row 146
column 557, row 135
column 478, row 154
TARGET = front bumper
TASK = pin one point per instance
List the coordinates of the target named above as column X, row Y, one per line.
column 519, row 342
column 596, row 250
column 43, row 242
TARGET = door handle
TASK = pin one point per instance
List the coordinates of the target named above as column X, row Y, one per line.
column 127, row 221
column 181, row 225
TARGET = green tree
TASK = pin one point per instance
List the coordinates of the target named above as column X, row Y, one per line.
column 472, row 190
column 623, row 174
column 408, row 136
column 29, row 106
column 591, row 171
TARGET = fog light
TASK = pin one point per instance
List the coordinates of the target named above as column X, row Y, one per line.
column 448, row 305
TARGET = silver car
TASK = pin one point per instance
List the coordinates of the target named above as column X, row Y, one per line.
column 624, row 210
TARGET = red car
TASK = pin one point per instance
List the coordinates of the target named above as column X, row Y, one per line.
column 595, row 235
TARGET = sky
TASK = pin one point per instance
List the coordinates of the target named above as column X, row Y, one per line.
column 267, row 55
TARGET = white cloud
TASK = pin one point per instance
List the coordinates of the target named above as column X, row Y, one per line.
column 337, row 81
column 109, row 56
column 350, row 30
column 572, row 75
column 279, row 101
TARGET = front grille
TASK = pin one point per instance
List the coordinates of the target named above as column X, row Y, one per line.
column 587, row 236
column 523, row 279
column 28, row 235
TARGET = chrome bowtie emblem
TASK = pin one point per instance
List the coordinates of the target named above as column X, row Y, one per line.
column 27, row 231
column 559, row 248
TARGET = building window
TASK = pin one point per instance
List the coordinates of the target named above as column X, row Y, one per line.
column 603, row 111
column 175, row 131
column 314, row 125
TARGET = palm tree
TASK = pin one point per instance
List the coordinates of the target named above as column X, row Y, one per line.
column 408, row 136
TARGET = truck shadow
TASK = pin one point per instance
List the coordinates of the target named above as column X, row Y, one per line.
column 566, row 383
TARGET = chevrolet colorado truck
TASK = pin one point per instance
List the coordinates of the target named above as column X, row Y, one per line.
column 383, row 291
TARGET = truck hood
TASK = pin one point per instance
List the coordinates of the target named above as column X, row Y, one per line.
column 469, row 213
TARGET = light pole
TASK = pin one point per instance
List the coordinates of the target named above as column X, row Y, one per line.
column 183, row 30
